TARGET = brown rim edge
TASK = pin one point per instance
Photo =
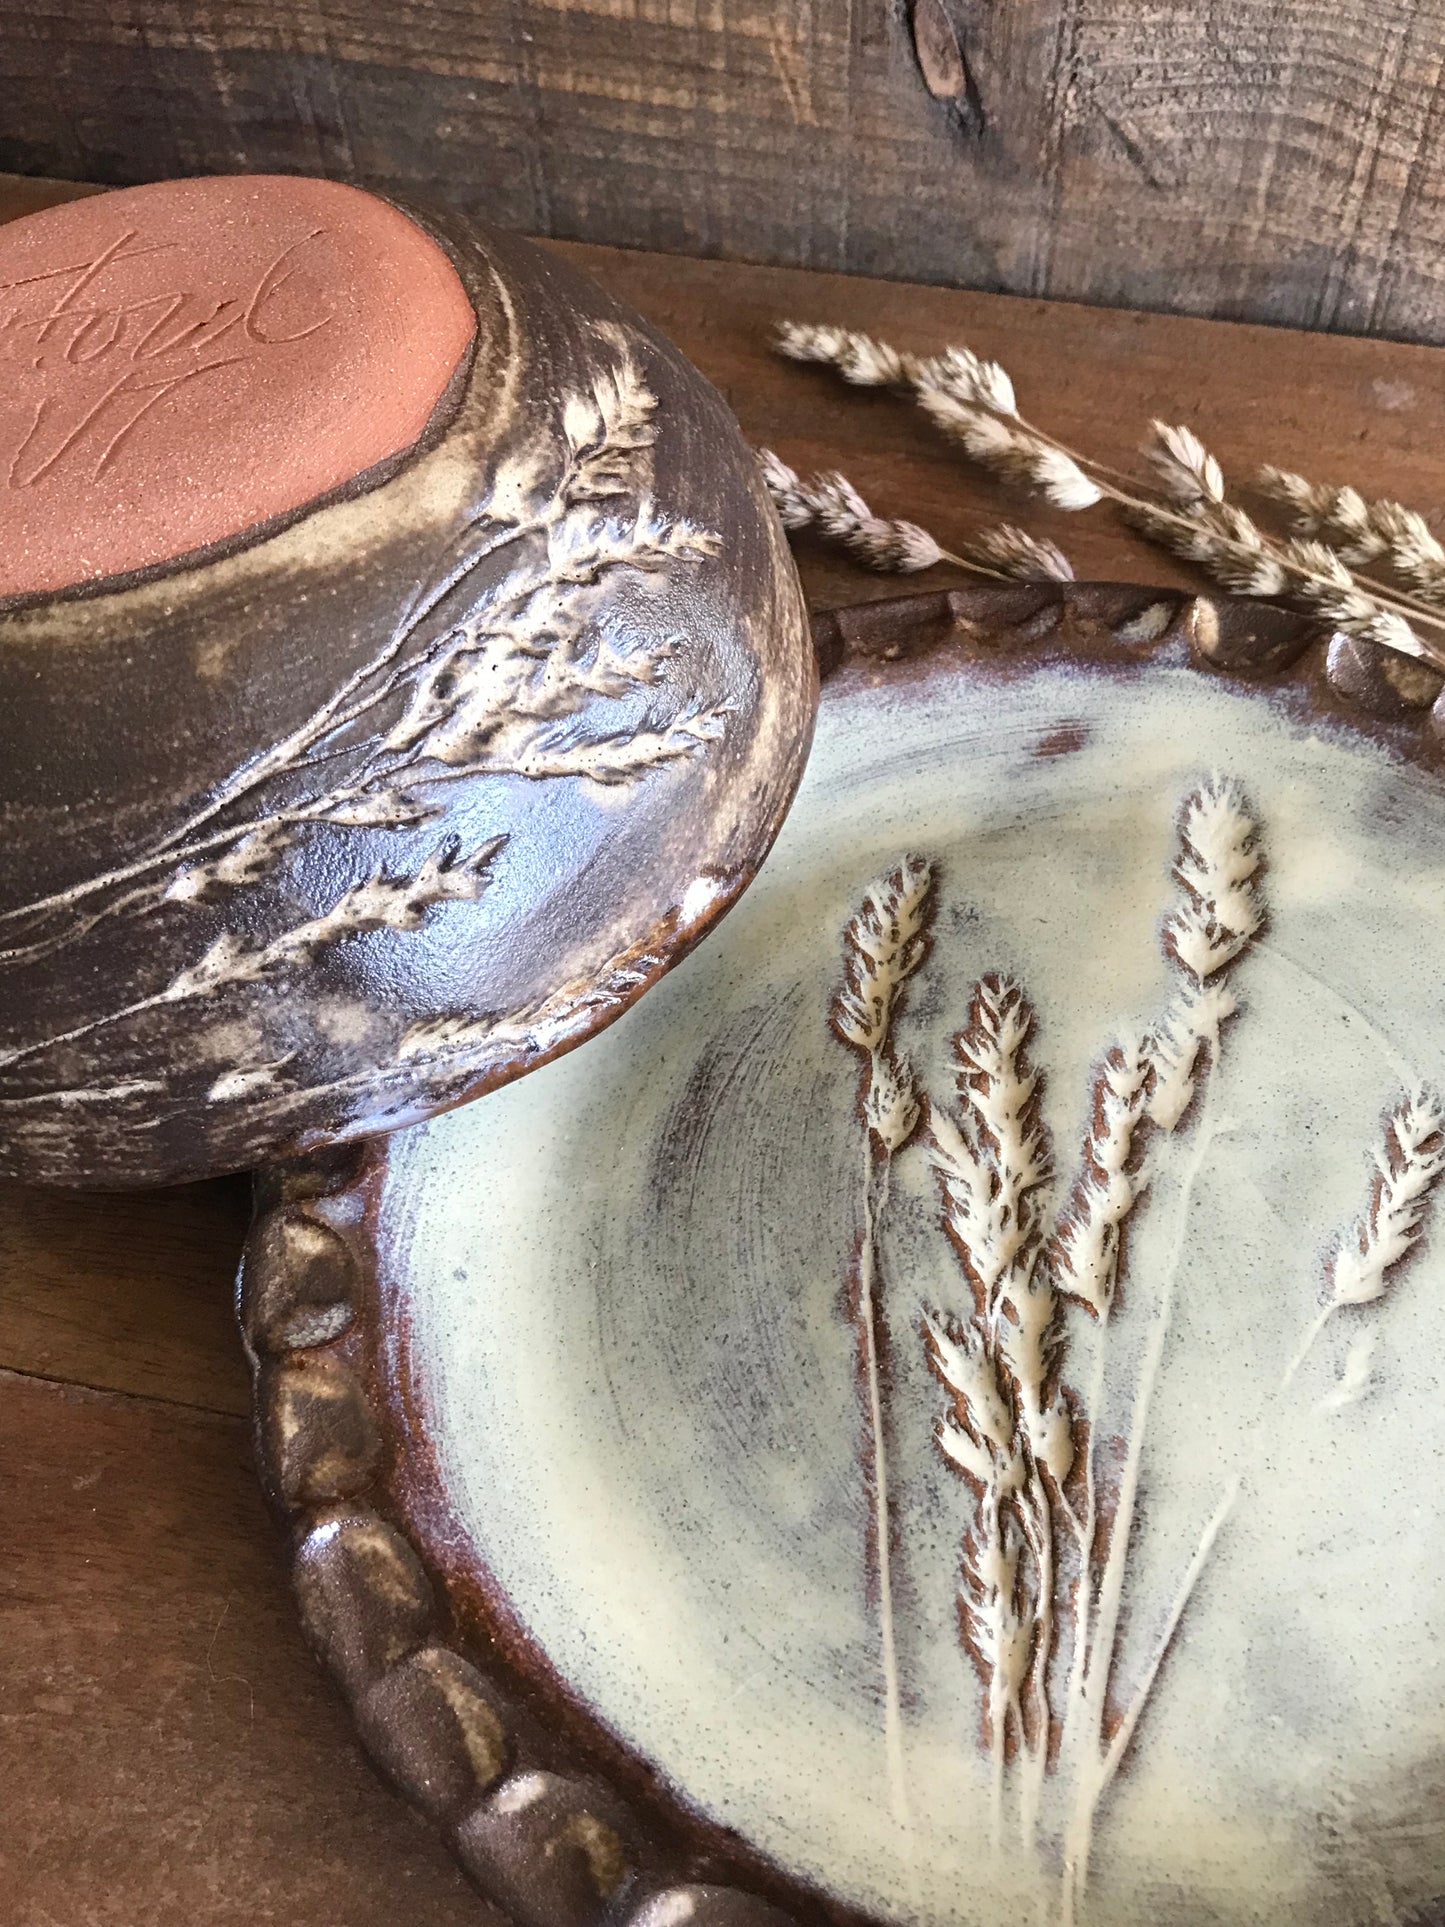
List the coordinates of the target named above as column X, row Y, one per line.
column 450, row 1727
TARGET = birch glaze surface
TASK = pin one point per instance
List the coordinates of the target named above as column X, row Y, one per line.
column 384, row 797
column 975, row 1457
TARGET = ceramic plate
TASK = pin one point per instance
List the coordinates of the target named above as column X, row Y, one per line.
column 934, row 1417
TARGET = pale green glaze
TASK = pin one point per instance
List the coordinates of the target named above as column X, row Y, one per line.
column 626, row 1276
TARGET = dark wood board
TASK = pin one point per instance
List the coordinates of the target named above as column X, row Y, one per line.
column 126, row 1291
column 113, row 1593
column 168, row 1750
column 1338, row 409
column 1269, row 160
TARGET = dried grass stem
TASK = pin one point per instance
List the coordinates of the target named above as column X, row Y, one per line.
column 972, row 401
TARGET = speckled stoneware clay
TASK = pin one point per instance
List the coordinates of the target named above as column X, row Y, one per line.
column 400, row 666
column 934, row 1419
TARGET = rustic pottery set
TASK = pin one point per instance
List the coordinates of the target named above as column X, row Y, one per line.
column 929, row 1418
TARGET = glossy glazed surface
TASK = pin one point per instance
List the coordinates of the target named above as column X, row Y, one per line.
column 631, row 1295
column 307, row 839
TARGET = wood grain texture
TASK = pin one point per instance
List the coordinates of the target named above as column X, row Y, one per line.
column 136, row 1295
column 1275, row 160
column 1339, row 409
column 169, row 1752
column 126, row 1292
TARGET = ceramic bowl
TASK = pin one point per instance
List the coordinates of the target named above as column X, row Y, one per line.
column 400, row 667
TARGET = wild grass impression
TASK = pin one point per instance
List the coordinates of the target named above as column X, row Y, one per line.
column 1020, row 1352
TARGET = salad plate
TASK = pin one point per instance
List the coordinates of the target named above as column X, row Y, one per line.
column 932, row 1419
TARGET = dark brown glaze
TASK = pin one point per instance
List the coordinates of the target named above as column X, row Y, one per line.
column 1395, row 700
column 388, row 1581
column 187, row 361
column 378, row 806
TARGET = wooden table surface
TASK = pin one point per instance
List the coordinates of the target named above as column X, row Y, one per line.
column 170, row 1756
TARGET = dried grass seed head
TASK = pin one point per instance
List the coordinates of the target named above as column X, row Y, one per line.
column 841, row 512
column 1414, row 551
column 858, row 357
column 831, row 504
column 1016, row 553
column 1012, row 452
column 1187, row 471
column 967, row 378
column 785, row 486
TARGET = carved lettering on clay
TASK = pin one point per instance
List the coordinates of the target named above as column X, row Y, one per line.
column 1051, row 1517
column 512, row 688
column 188, row 362
column 107, row 359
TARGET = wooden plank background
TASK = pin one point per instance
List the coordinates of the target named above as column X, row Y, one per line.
column 170, row 1756
column 1266, row 160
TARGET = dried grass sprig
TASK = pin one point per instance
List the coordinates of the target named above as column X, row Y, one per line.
column 830, row 505
column 1231, row 547
column 969, row 397
column 1362, row 531
column 1186, row 510
column 869, row 363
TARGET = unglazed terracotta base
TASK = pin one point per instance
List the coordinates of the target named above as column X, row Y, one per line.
column 933, row 1419
column 186, row 361
column 378, row 801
